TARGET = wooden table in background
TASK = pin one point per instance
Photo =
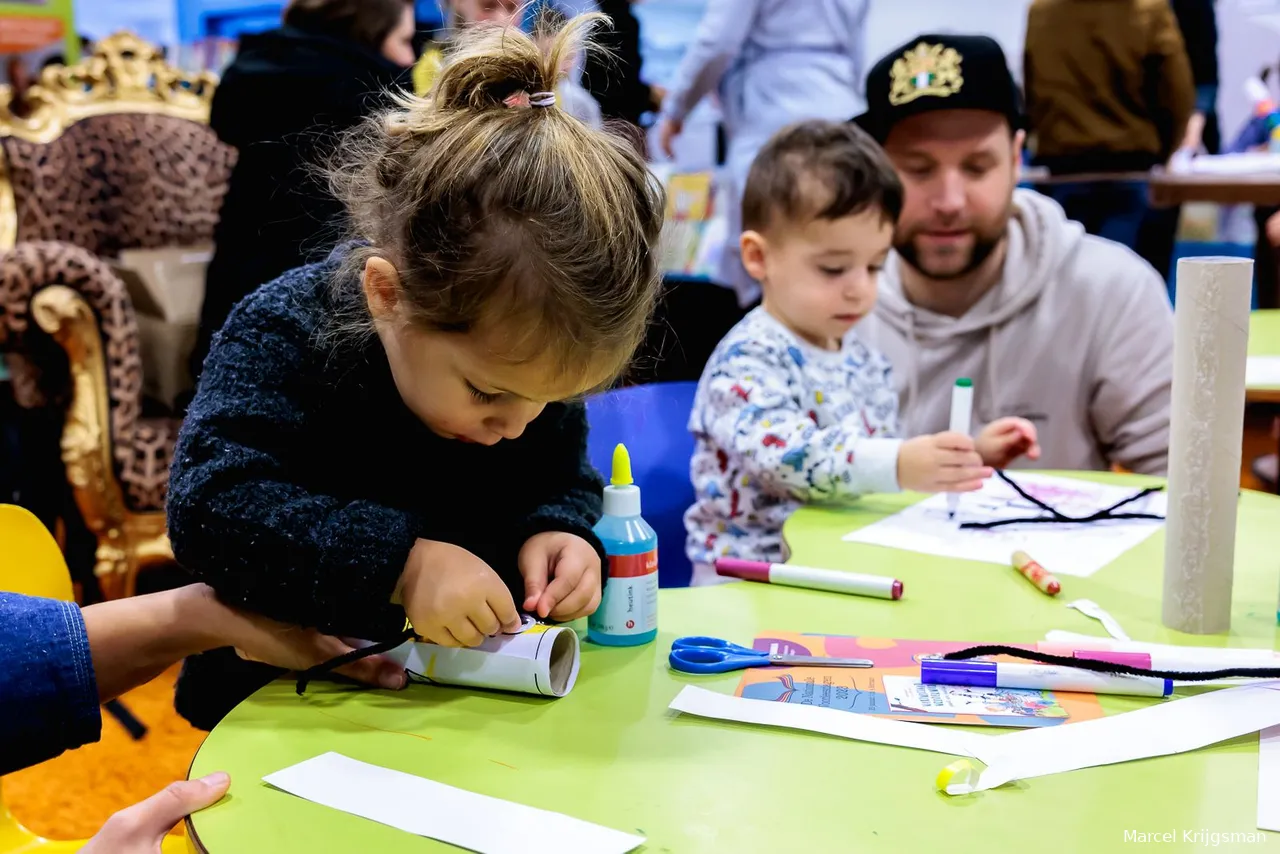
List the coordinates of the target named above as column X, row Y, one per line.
column 1167, row 190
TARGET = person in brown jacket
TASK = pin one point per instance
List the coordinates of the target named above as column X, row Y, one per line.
column 1108, row 89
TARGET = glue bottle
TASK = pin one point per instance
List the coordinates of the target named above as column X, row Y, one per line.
column 628, row 612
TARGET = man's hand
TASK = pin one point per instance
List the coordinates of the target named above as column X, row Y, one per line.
column 141, row 828
column 1005, row 439
column 561, row 576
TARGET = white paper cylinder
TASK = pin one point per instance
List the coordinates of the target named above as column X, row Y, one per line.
column 540, row 660
column 1211, row 333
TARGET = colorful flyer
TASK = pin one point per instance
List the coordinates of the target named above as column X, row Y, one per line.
column 892, row 688
column 909, row 694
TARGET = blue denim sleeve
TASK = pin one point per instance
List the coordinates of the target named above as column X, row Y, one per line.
column 48, row 693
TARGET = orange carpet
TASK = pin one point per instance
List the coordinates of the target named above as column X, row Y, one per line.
column 71, row 796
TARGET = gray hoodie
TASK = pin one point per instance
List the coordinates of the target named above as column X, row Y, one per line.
column 1077, row 336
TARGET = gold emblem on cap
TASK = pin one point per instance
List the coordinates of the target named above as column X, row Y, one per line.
column 926, row 69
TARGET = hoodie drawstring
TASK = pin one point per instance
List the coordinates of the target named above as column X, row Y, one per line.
column 992, row 359
column 913, row 371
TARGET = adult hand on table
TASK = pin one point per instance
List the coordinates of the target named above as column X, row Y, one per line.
column 141, row 828
column 257, row 638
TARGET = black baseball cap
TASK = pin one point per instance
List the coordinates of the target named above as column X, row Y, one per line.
column 939, row 72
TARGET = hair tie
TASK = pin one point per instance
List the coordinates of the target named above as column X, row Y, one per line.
column 542, row 99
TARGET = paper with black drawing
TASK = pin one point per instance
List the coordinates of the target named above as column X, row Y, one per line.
column 1064, row 549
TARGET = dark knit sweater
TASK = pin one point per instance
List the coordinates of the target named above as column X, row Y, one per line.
column 301, row 481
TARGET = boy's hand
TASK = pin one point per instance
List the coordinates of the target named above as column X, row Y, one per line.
column 943, row 462
column 1005, row 439
column 561, row 576
column 453, row 598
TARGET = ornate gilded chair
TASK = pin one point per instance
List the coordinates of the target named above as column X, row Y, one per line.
column 112, row 153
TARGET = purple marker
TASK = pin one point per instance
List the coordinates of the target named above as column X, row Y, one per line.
column 1039, row 677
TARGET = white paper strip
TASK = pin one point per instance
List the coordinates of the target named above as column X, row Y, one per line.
column 1092, row 609
column 939, row 739
column 1175, row 726
column 1269, row 779
column 426, row 808
column 1262, row 372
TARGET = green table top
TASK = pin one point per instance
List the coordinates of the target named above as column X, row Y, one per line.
column 1264, row 340
column 1264, row 332
column 611, row 753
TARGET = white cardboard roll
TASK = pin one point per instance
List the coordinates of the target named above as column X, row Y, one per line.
column 1211, row 333
column 541, row 659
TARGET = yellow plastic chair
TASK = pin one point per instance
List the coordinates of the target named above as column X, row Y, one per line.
column 32, row 564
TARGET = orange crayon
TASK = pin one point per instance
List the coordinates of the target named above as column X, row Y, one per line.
column 1036, row 574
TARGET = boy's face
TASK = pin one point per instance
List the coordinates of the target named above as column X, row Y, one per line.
column 819, row 278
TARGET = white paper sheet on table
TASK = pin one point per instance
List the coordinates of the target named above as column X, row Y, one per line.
column 1269, row 779
column 427, row 808
column 1262, row 372
column 1171, row 726
column 1078, row 550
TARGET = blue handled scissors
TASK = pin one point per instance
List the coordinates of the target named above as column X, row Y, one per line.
column 713, row 655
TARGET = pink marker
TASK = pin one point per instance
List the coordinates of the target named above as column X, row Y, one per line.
column 1186, row 659
column 831, row 580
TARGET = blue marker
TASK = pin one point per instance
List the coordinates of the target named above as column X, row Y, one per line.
column 628, row 612
column 1039, row 677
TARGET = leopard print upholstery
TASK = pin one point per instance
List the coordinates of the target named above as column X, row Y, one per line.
column 141, row 447
column 108, row 183
column 121, row 181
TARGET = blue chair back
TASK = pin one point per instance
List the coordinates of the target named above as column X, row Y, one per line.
column 652, row 421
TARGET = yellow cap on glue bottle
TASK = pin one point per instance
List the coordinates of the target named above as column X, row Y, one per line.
column 621, row 496
column 621, row 467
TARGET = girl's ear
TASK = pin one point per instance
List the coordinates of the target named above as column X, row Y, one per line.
column 381, row 284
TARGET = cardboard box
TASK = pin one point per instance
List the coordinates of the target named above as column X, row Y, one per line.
column 166, row 287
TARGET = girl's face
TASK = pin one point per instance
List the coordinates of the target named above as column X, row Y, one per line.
column 456, row 383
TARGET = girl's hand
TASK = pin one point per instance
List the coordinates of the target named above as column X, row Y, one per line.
column 561, row 576
column 453, row 598
column 942, row 462
column 1005, row 439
